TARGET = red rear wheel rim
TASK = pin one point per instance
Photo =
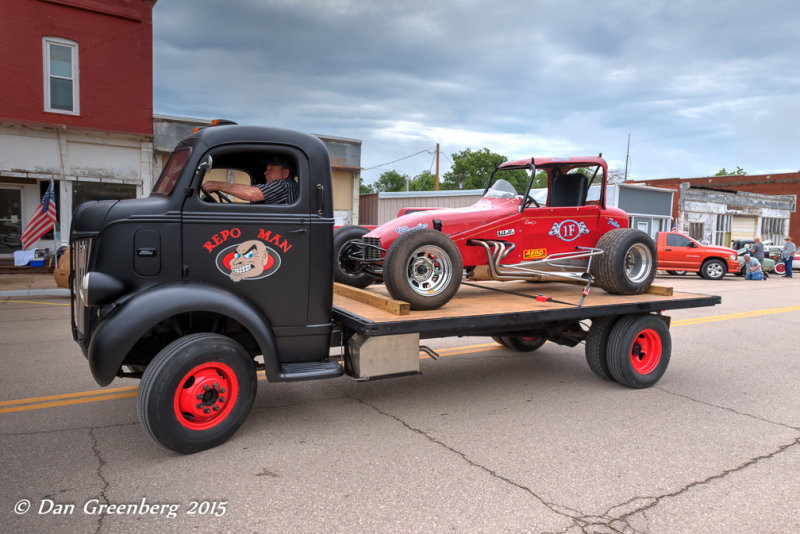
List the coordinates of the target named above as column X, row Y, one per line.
column 646, row 351
column 206, row 396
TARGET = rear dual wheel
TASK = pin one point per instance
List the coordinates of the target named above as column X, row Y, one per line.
column 633, row 350
column 197, row 392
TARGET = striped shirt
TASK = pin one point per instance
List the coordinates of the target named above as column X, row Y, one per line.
column 280, row 191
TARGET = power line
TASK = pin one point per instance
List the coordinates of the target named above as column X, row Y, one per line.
column 400, row 159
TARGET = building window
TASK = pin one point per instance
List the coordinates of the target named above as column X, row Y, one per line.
column 696, row 230
column 60, row 76
column 773, row 230
column 722, row 234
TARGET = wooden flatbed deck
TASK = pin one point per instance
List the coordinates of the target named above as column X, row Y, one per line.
column 479, row 309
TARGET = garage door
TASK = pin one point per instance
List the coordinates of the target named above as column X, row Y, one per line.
column 743, row 228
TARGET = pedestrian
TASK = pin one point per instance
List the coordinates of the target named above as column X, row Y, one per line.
column 757, row 251
column 752, row 269
column 787, row 256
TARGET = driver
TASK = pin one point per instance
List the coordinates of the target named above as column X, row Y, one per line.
column 280, row 187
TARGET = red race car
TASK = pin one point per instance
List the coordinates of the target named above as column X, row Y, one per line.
column 507, row 235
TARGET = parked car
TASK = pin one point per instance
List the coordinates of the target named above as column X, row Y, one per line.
column 767, row 266
column 780, row 268
column 678, row 254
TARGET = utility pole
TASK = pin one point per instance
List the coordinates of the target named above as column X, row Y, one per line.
column 436, row 184
column 627, row 157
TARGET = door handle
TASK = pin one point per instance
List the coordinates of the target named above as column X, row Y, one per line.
column 298, row 231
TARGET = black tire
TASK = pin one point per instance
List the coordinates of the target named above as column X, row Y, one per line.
column 628, row 263
column 597, row 346
column 713, row 269
column 524, row 343
column 639, row 348
column 211, row 370
column 676, row 273
column 346, row 256
column 423, row 268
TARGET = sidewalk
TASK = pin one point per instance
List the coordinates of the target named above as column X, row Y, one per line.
column 30, row 285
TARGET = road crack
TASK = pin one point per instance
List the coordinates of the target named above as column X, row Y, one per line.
column 101, row 462
column 727, row 409
column 572, row 515
column 651, row 502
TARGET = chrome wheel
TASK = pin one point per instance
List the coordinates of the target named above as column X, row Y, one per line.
column 429, row 270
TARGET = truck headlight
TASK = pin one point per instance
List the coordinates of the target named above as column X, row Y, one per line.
column 99, row 288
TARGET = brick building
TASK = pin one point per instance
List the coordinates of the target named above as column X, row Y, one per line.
column 721, row 209
column 76, row 106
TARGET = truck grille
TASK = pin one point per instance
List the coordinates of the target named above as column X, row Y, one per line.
column 81, row 252
column 372, row 248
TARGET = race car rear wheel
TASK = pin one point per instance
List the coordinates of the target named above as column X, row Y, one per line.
column 347, row 256
column 639, row 348
column 423, row 268
column 780, row 268
column 628, row 263
column 196, row 392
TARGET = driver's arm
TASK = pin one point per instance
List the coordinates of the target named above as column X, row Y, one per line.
column 249, row 193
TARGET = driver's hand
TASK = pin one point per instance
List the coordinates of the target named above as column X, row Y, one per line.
column 210, row 186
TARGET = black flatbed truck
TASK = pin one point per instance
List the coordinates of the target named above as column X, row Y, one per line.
column 185, row 290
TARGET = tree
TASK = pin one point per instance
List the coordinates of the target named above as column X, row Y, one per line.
column 424, row 181
column 390, row 181
column 364, row 189
column 738, row 172
column 471, row 169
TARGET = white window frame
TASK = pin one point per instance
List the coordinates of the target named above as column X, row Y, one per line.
column 73, row 46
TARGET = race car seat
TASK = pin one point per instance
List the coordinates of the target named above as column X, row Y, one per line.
column 568, row 190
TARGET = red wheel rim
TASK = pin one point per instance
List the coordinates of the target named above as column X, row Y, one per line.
column 780, row 268
column 646, row 351
column 206, row 395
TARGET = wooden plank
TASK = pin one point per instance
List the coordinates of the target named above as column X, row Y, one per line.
column 396, row 307
column 660, row 290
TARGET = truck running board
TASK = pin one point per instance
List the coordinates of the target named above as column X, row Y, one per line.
column 291, row 372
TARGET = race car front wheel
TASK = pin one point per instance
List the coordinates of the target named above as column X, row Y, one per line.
column 347, row 256
column 423, row 268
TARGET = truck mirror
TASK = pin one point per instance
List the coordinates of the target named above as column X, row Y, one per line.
column 205, row 165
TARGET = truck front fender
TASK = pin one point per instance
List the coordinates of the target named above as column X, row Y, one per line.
column 116, row 335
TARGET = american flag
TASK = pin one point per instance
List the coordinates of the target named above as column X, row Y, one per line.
column 43, row 220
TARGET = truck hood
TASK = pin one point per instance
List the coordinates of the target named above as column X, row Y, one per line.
column 453, row 220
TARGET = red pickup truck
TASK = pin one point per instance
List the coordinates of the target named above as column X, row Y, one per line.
column 679, row 253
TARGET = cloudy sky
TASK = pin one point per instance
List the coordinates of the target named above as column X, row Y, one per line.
column 698, row 85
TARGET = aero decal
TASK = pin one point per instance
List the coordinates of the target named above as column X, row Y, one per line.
column 403, row 229
column 613, row 223
column 568, row 230
column 503, row 233
column 534, row 254
column 250, row 260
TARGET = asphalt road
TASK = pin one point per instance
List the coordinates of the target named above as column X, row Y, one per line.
column 485, row 440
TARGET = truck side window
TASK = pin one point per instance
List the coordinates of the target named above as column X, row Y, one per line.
column 675, row 240
column 252, row 177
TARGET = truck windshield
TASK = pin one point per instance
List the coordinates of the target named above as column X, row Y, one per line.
column 171, row 172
